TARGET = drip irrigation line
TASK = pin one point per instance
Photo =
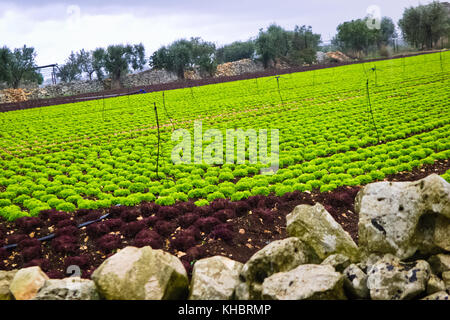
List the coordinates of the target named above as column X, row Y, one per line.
column 279, row 92
column 53, row 235
column 167, row 114
column 364, row 69
column 159, row 139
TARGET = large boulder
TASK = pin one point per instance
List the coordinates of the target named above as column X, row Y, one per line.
column 278, row 256
column 5, row 281
column 355, row 282
column 72, row 288
column 405, row 217
column 392, row 279
column 214, row 278
column 309, row 281
column 27, row 282
column 316, row 227
column 141, row 274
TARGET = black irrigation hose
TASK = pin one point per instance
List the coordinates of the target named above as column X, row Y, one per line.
column 370, row 110
column 52, row 235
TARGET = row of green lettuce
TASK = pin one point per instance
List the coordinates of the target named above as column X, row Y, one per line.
column 93, row 155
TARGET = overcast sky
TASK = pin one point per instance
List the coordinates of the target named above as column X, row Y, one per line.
column 55, row 28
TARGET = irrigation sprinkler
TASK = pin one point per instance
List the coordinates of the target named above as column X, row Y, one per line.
column 192, row 92
column 370, row 110
column 374, row 70
column 440, row 58
column 278, row 86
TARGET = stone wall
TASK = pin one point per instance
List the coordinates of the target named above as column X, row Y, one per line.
column 317, row 261
column 148, row 77
column 67, row 89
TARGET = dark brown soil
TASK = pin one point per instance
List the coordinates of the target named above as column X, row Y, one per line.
column 236, row 230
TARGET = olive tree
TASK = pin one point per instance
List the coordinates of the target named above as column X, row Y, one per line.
column 183, row 55
column 424, row 25
column 19, row 65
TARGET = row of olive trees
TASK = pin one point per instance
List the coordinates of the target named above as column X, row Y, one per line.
column 118, row 60
column 114, row 61
column 297, row 47
column 183, row 55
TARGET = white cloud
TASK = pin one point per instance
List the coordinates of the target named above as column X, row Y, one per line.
column 54, row 39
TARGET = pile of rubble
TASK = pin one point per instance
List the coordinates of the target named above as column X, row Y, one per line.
column 338, row 56
column 237, row 68
column 13, row 95
column 192, row 75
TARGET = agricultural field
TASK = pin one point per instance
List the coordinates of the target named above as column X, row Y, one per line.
column 100, row 153
column 103, row 153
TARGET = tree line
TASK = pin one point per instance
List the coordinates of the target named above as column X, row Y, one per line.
column 421, row 27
